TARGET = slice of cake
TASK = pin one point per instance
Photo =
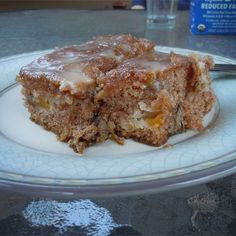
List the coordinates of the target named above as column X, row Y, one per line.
column 117, row 87
column 59, row 88
column 154, row 96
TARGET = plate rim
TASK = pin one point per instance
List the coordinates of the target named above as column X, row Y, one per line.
column 115, row 185
column 122, row 189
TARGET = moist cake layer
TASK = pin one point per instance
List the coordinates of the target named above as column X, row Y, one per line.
column 117, row 87
column 156, row 95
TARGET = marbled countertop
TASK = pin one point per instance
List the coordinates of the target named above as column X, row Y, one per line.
column 207, row 209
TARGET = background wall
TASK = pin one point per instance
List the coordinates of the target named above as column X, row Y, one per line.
column 9, row 5
column 6, row 5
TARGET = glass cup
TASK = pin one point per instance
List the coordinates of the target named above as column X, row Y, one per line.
column 161, row 13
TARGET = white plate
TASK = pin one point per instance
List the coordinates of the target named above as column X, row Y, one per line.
column 32, row 158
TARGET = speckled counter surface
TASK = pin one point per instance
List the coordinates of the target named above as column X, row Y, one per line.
column 208, row 209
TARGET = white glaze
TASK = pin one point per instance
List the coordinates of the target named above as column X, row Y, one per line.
column 67, row 65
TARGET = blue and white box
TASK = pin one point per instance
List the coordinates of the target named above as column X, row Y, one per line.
column 213, row 17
